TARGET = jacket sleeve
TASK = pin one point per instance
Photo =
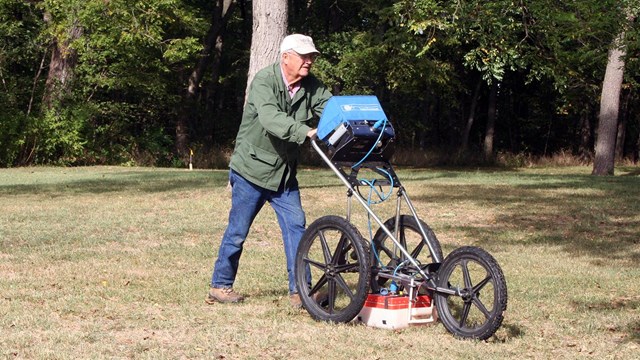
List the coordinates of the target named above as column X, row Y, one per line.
column 321, row 95
column 274, row 119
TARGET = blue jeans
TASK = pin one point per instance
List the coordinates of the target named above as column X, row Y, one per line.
column 246, row 201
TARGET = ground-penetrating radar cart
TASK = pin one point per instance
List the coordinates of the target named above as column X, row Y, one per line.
column 337, row 269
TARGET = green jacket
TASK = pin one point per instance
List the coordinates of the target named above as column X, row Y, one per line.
column 274, row 126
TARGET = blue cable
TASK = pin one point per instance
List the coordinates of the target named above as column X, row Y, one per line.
column 369, row 203
column 380, row 123
column 384, row 125
column 390, row 179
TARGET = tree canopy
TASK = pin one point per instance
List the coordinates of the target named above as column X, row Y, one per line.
column 139, row 82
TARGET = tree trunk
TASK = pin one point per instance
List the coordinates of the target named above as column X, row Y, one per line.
column 622, row 128
column 584, row 148
column 269, row 28
column 472, row 116
column 609, row 106
column 212, row 48
column 636, row 151
column 491, row 122
column 61, row 66
column 221, row 14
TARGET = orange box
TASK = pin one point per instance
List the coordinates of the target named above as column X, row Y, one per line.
column 394, row 312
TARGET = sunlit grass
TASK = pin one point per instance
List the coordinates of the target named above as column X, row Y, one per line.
column 111, row 262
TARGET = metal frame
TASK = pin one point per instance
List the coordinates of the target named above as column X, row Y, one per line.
column 350, row 181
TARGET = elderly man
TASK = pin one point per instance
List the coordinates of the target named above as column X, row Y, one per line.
column 283, row 99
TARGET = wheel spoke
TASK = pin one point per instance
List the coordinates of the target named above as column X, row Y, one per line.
column 481, row 307
column 481, row 284
column 332, row 255
column 340, row 250
column 346, row 250
column 417, row 250
column 347, row 267
column 332, row 296
column 316, row 264
column 402, row 239
column 321, row 282
column 465, row 314
column 325, row 247
column 465, row 272
column 406, row 230
column 343, row 285
column 387, row 252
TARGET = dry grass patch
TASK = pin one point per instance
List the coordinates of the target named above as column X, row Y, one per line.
column 114, row 263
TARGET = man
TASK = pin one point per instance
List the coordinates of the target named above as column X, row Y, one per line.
column 283, row 99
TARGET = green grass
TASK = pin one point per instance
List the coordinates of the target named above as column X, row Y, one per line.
column 110, row 262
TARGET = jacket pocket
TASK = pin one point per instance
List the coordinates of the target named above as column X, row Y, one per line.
column 263, row 156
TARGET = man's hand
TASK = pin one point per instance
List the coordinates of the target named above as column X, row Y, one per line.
column 312, row 133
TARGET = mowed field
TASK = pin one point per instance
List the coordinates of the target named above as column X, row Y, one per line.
column 114, row 262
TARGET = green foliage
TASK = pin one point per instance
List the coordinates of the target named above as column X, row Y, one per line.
column 126, row 80
column 56, row 137
column 490, row 34
column 11, row 137
column 121, row 133
column 182, row 50
column 422, row 58
column 20, row 56
column 20, row 53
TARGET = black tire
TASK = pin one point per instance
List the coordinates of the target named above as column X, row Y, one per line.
column 410, row 237
column 474, row 272
column 333, row 254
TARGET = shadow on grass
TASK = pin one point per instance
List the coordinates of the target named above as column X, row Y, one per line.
column 630, row 171
column 632, row 329
column 155, row 181
column 507, row 332
column 617, row 303
column 587, row 215
column 590, row 215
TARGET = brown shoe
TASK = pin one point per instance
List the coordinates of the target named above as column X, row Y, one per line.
column 295, row 301
column 223, row 295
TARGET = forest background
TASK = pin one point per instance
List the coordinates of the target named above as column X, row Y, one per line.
column 152, row 82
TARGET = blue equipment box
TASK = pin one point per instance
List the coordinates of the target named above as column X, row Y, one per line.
column 355, row 129
column 343, row 109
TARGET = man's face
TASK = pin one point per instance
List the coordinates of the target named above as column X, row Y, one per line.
column 297, row 65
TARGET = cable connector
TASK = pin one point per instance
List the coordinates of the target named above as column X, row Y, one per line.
column 378, row 124
column 393, row 287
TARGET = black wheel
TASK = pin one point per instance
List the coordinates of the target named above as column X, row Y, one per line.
column 332, row 270
column 477, row 311
column 409, row 235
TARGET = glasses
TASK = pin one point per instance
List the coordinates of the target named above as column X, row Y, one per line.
column 306, row 57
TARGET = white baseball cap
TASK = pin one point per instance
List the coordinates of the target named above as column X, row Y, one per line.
column 299, row 43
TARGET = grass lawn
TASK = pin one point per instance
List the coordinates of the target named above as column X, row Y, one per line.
column 113, row 262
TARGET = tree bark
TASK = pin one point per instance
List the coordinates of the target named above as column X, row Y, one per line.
column 269, row 28
column 636, row 151
column 491, row 122
column 584, row 148
column 622, row 128
column 609, row 106
column 221, row 14
column 61, row 66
